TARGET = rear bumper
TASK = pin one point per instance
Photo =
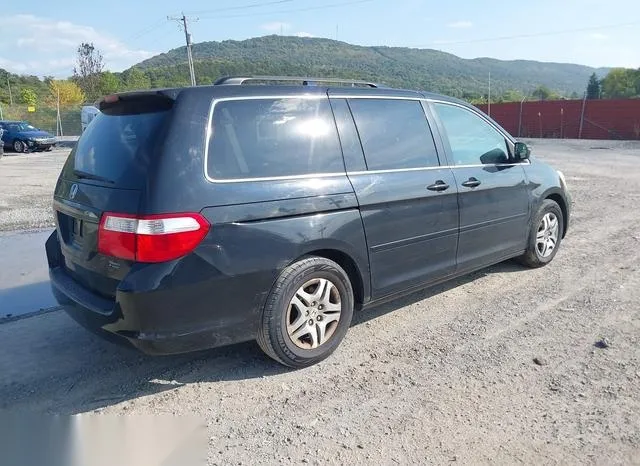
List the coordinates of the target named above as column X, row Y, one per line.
column 155, row 314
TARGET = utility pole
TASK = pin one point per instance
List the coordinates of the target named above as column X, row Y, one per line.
column 183, row 19
column 489, row 100
column 58, row 118
column 10, row 95
column 520, row 119
column 584, row 105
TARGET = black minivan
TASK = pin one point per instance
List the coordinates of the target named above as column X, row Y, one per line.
column 270, row 209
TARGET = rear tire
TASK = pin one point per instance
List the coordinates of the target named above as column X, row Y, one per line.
column 545, row 235
column 307, row 313
column 19, row 146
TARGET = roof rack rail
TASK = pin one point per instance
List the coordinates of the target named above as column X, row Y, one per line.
column 239, row 80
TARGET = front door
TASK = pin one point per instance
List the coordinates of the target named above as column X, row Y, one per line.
column 492, row 194
column 407, row 200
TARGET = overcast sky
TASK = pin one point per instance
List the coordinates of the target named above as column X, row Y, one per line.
column 39, row 37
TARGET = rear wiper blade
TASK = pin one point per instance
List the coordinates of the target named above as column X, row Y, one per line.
column 91, row 176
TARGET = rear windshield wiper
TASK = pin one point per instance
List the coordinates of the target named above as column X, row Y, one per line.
column 91, row 176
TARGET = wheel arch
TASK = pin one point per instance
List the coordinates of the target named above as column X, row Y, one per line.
column 350, row 266
column 558, row 199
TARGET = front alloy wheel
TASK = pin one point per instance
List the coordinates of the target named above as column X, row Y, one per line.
column 547, row 236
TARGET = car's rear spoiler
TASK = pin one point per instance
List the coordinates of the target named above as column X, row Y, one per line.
column 129, row 103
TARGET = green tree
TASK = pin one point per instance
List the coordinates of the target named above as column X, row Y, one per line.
column 620, row 83
column 88, row 70
column 109, row 83
column 593, row 88
column 544, row 93
column 28, row 96
column 478, row 100
column 512, row 96
column 136, row 79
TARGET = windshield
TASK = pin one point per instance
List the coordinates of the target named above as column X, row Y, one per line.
column 24, row 127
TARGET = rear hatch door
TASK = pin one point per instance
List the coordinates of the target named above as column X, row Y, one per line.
column 108, row 171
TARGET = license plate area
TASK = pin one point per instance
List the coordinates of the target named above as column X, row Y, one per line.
column 72, row 230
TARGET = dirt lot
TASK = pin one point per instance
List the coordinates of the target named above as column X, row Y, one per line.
column 445, row 375
column 26, row 186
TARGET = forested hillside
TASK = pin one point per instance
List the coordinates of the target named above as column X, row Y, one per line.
column 402, row 67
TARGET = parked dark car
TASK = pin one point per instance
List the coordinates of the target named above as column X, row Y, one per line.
column 205, row 216
column 23, row 137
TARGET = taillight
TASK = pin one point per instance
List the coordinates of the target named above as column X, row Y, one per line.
column 150, row 238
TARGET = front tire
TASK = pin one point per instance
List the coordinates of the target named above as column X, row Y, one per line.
column 545, row 235
column 307, row 313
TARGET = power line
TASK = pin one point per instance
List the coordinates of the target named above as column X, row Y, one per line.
column 535, row 34
column 293, row 10
column 240, row 7
column 152, row 27
column 207, row 15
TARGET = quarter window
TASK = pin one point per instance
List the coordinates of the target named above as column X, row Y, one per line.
column 394, row 133
column 260, row 138
column 472, row 140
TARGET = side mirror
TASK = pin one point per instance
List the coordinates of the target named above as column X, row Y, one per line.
column 522, row 151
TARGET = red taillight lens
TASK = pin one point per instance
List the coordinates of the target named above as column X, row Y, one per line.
column 150, row 238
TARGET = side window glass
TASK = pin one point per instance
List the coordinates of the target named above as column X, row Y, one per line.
column 473, row 141
column 262, row 138
column 394, row 133
column 351, row 148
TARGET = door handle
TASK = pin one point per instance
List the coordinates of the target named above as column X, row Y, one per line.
column 471, row 183
column 438, row 186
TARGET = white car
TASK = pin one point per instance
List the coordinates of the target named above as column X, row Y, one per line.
column 87, row 114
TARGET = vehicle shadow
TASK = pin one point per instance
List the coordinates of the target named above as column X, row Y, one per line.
column 50, row 364
column 510, row 266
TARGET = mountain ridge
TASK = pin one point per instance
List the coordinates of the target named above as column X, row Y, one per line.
column 425, row 69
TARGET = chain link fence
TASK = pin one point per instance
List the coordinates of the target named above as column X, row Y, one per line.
column 44, row 117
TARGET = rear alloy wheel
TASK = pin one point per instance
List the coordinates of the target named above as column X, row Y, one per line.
column 19, row 146
column 307, row 313
column 545, row 235
column 313, row 314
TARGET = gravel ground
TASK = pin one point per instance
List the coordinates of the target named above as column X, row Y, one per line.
column 444, row 375
column 26, row 188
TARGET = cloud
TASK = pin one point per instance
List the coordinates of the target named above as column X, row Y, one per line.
column 51, row 46
column 460, row 25
column 275, row 26
column 599, row 36
column 304, row 34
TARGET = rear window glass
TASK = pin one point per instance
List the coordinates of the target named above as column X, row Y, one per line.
column 118, row 148
column 261, row 138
